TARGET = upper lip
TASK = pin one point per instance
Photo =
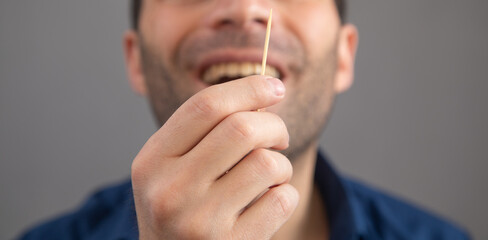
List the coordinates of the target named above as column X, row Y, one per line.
column 241, row 55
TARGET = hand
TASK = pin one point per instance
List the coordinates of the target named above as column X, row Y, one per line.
column 210, row 173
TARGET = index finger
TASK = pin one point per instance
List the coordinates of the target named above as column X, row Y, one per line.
column 203, row 111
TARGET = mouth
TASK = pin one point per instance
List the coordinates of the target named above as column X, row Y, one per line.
column 228, row 71
column 229, row 64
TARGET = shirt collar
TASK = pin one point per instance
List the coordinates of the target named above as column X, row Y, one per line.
column 125, row 226
column 337, row 199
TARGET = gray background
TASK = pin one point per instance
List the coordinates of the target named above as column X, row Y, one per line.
column 415, row 122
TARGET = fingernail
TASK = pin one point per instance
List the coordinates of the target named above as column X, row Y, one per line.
column 279, row 88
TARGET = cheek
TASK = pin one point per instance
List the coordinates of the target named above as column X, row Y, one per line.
column 316, row 25
column 163, row 29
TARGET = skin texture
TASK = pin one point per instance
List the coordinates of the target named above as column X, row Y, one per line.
column 217, row 169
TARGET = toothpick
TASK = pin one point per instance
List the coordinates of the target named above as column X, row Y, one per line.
column 265, row 51
column 266, row 43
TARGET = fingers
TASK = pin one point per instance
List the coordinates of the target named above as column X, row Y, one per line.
column 202, row 112
column 254, row 174
column 233, row 138
column 268, row 213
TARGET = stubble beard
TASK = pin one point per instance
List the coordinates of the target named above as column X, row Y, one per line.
column 307, row 116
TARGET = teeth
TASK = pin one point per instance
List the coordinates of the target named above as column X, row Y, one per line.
column 234, row 70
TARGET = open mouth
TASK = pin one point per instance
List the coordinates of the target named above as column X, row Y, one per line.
column 224, row 72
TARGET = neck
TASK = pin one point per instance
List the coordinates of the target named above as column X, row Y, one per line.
column 309, row 220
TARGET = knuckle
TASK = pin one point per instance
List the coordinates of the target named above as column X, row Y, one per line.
column 283, row 125
column 286, row 167
column 161, row 207
column 266, row 163
column 140, row 166
column 283, row 198
column 283, row 128
column 273, row 166
column 167, row 199
column 138, row 172
column 240, row 127
column 206, row 105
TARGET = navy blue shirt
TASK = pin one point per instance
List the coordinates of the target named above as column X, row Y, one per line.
column 355, row 211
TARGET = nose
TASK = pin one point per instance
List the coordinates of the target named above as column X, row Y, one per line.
column 239, row 14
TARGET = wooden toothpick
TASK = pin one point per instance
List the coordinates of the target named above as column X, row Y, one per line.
column 265, row 51
column 266, row 43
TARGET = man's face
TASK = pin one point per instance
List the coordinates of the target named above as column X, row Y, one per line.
column 187, row 45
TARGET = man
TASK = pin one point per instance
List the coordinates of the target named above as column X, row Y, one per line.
column 219, row 169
